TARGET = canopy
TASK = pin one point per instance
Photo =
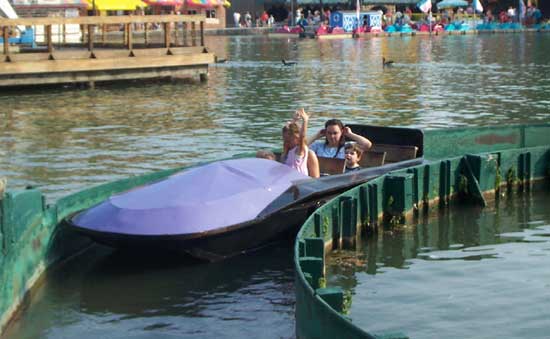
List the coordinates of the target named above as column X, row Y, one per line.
column 451, row 4
column 115, row 5
column 200, row 199
column 6, row 8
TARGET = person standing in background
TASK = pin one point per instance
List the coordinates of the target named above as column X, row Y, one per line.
column 248, row 19
column 237, row 19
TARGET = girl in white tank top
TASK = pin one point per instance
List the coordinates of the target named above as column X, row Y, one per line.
column 295, row 150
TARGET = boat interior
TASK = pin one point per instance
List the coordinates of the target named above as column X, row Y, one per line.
column 389, row 145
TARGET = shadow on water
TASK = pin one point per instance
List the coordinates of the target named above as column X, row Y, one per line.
column 69, row 89
column 150, row 285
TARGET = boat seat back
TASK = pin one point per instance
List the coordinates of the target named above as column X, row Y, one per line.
column 331, row 165
column 396, row 153
column 372, row 159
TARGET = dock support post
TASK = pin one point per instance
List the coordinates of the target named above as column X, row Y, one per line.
column 193, row 34
column 49, row 38
column 90, row 38
column 166, row 26
column 91, row 84
column 6, row 36
column 129, row 41
column 202, row 33
column 185, row 44
column 146, row 32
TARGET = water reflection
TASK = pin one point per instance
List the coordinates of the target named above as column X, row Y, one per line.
column 466, row 261
column 109, row 294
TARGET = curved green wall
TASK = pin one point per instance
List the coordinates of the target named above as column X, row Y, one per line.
column 392, row 197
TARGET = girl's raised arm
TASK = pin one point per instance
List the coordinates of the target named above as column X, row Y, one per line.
column 301, row 113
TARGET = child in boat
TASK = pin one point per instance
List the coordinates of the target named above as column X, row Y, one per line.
column 295, row 150
column 353, row 156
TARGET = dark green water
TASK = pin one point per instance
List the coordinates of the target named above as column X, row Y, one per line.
column 464, row 273
column 65, row 140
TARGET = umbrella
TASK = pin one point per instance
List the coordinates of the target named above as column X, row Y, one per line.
column 207, row 3
column 451, row 4
column 174, row 3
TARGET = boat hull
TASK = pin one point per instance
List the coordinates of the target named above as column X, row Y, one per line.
column 213, row 245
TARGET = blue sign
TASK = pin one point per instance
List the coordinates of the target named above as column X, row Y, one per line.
column 348, row 20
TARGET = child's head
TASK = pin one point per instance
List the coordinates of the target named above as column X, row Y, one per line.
column 291, row 134
column 265, row 154
column 353, row 154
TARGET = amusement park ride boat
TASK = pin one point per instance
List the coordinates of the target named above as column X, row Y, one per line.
column 232, row 206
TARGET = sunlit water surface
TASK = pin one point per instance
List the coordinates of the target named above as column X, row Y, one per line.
column 65, row 140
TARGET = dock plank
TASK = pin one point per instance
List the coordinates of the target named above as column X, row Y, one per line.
column 60, row 66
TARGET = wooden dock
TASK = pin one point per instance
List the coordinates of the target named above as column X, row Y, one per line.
column 105, row 49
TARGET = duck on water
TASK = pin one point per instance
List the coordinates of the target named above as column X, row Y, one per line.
column 228, row 207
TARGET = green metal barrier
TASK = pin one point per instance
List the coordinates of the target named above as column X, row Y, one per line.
column 320, row 310
column 33, row 236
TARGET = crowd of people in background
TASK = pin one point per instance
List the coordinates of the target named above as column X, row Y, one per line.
column 312, row 15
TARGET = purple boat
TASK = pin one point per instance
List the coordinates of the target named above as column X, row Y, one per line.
column 223, row 208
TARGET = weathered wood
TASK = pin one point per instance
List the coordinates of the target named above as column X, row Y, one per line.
column 22, row 57
column 79, row 77
column 185, row 44
column 146, row 32
column 193, row 34
column 129, row 36
column 202, row 33
column 99, row 20
column 125, row 34
column 66, row 55
column 150, row 52
column 372, row 159
column 396, row 153
column 110, row 54
column 49, row 38
column 6, row 37
column 166, row 27
column 331, row 165
column 99, row 64
column 90, row 37
column 186, row 50
column 104, row 53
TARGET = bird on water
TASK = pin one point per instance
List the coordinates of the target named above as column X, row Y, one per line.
column 289, row 63
column 386, row 63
